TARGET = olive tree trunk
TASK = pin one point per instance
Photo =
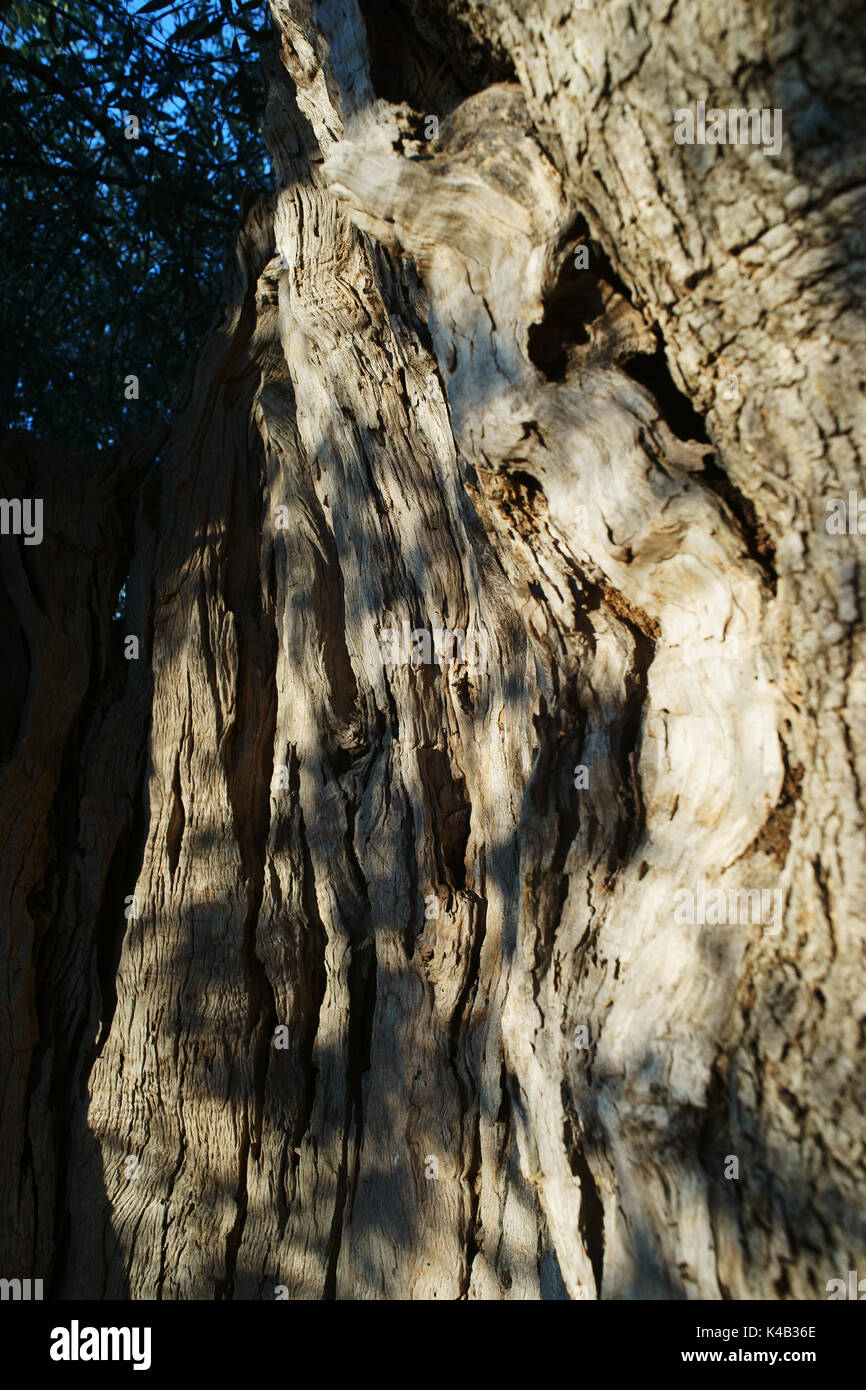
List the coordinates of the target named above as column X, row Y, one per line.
column 462, row 894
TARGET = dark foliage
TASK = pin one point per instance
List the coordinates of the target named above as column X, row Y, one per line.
column 111, row 247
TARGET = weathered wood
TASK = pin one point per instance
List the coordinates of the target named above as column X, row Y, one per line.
column 412, row 1007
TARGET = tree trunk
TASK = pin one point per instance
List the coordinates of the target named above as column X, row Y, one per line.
column 354, row 965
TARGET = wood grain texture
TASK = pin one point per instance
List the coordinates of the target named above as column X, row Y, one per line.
column 408, row 1010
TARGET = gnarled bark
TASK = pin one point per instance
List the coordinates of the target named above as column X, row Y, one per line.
column 408, row 1009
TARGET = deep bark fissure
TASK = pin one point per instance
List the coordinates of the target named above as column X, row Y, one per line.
column 591, row 1218
column 249, row 771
